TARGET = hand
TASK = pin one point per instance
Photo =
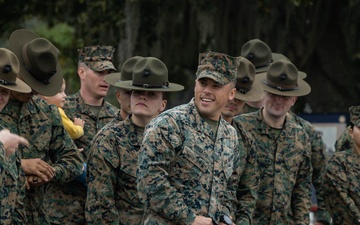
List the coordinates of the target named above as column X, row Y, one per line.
column 11, row 141
column 79, row 122
column 202, row 220
column 80, row 149
column 39, row 168
column 34, row 181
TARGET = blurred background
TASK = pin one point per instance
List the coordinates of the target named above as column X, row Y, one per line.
column 321, row 37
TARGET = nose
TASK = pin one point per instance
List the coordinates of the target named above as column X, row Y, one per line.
column 207, row 89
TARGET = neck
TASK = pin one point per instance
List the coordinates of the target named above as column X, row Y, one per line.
column 123, row 114
column 90, row 99
column 272, row 121
column 228, row 118
column 140, row 121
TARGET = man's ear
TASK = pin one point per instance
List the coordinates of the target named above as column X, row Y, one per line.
column 232, row 94
column 81, row 73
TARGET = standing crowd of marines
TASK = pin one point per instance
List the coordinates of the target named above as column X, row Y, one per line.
column 234, row 154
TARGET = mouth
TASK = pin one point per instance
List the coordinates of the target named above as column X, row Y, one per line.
column 206, row 100
column 104, row 86
column 231, row 107
column 141, row 104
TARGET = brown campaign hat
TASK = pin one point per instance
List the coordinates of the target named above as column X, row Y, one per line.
column 126, row 71
column 247, row 86
column 39, row 61
column 9, row 71
column 282, row 78
column 150, row 74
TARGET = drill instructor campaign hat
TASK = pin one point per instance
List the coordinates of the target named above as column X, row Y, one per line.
column 126, row 71
column 259, row 53
column 9, row 71
column 247, row 86
column 278, row 56
column 282, row 78
column 39, row 61
column 150, row 74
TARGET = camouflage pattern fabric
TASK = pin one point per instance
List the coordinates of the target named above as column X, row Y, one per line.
column 75, row 107
column 217, row 66
column 40, row 123
column 249, row 178
column 318, row 160
column 12, row 183
column 185, row 170
column 341, row 184
column 67, row 205
column 344, row 141
column 97, row 57
column 285, row 171
column 112, row 196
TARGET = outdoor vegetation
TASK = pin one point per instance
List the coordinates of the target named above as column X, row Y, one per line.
column 321, row 37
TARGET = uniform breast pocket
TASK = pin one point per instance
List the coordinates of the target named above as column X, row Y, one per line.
column 193, row 161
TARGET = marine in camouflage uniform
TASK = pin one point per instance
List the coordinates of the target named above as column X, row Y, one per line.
column 189, row 167
column 67, row 202
column 341, row 179
column 284, row 154
column 33, row 121
column 112, row 196
column 12, row 177
column 248, row 89
column 40, row 123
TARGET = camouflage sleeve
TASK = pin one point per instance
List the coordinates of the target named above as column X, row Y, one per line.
column 337, row 184
column 229, row 203
column 63, row 151
column 344, row 141
column 19, row 215
column 318, row 159
column 101, row 176
column 154, row 188
column 300, row 199
column 249, row 181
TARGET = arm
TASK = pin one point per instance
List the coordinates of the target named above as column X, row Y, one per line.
column 19, row 215
column 318, row 159
column 300, row 199
column 249, row 180
column 75, row 131
column 101, row 176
